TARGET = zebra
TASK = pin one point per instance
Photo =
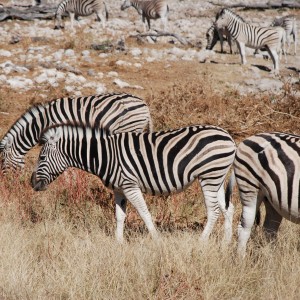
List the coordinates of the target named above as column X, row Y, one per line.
column 81, row 8
column 251, row 36
column 267, row 168
column 213, row 35
column 131, row 163
column 149, row 9
column 116, row 112
column 290, row 26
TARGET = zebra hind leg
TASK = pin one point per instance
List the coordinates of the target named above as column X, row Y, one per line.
column 227, row 213
column 101, row 18
column 120, row 202
column 135, row 196
column 212, row 210
column 274, row 57
column 272, row 221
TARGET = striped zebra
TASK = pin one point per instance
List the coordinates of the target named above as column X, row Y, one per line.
column 149, row 9
column 134, row 163
column 289, row 24
column 213, row 35
column 252, row 36
column 267, row 168
column 81, row 8
column 116, row 112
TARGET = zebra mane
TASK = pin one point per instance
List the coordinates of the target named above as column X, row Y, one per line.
column 47, row 132
column 228, row 11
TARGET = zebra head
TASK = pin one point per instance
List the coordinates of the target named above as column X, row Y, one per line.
column 222, row 18
column 210, row 37
column 126, row 4
column 51, row 162
column 11, row 158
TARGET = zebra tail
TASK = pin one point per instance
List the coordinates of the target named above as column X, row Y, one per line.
column 229, row 189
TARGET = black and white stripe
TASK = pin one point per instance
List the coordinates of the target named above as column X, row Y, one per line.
column 289, row 24
column 267, row 168
column 213, row 35
column 135, row 163
column 81, row 8
column 252, row 36
column 149, row 9
column 116, row 112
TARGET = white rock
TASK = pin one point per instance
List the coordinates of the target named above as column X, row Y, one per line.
column 100, row 89
column 69, row 52
column 85, row 53
column 136, row 52
column 137, row 65
column 112, row 74
column 120, row 83
column 5, row 53
column 123, row 63
column 20, row 83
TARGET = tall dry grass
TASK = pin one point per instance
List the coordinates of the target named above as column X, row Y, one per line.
column 59, row 244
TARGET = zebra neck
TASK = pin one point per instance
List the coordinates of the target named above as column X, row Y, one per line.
column 234, row 28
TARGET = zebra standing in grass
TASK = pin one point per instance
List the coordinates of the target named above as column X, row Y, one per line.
column 289, row 24
column 115, row 112
column 213, row 35
column 251, row 36
column 81, row 8
column 149, row 9
column 267, row 168
column 135, row 163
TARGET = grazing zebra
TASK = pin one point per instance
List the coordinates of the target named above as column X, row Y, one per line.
column 115, row 112
column 267, row 168
column 213, row 35
column 81, row 8
column 134, row 163
column 289, row 24
column 149, row 9
column 251, row 36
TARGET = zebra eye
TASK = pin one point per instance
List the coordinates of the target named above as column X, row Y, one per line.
column 43, row 157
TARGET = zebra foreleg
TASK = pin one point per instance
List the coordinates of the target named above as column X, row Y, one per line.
column 72, row 17
column 241, row 47
column 121, row 202
column 272, row 221
column 135, row 196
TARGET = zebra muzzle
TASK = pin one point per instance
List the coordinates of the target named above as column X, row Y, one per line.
column 38, row 185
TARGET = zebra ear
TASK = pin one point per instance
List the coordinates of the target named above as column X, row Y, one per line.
column 9, row 142
column 52, row 135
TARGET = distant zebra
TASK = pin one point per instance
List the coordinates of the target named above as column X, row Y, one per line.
column 290, row 26
column 115, row 112
column 81, row 8
column 213, row 35
column 149, row 9
column 267, row 168
column 134, row 163
column 251, row 36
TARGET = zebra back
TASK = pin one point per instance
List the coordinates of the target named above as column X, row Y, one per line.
column 116, row 112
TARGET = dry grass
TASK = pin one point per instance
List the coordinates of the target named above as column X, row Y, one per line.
column 60, row 244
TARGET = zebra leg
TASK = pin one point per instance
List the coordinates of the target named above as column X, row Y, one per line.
column 274, row 57
column 101, row 18
column 121, row 202
column 227, row 213
column 249, row 203
column 241, row 47
column 72, row 16
column 272, row 221
column 212, row 209
column 164, row 21
column 135, row 196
